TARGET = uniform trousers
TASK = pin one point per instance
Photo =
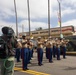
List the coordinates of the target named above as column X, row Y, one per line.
column 7, row 66
column 40, row 55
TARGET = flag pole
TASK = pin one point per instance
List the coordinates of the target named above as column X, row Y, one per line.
column 60, row 17
column 49, row 17
column 28, row 15
column 16, row 18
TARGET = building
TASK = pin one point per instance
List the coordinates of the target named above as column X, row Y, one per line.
column 54, row 32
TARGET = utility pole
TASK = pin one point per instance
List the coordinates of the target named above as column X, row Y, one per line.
column 28, row 15
column 60, row 17
column 16, row 18
column 49, row 17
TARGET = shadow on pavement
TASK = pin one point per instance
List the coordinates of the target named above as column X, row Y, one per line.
column 70, row 68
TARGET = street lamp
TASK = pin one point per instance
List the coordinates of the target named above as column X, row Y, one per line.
column 49, row 17
column 60, row 17
column 28, row 15
column 16, row 18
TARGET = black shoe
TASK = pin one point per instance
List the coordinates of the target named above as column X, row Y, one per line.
column 50, row 61
column 54, row 56
column 58, row 59
column 18, row 61
column 25, row 69
column 29, row 62
column 64, row 58
column 41, row 64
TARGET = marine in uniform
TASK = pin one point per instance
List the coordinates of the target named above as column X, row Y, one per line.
column 54, row 48
column 40, row 51
column 50, row 49
column 45, row 47
column 32, row 46
column 58, row 43
column 64, row 42
column 18, row 50
column 24, row 53
column 29, row 49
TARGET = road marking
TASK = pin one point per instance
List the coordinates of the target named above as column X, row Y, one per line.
column 71, row 52
column 31, row 72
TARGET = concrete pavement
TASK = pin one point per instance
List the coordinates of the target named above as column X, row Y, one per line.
column 61, row 67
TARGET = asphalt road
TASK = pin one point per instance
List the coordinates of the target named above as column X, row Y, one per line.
column 62, row 67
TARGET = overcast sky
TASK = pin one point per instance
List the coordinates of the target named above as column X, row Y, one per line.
column 38, row 13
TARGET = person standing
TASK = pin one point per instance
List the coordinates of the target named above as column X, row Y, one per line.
column 29, row 49
column 50, row 49
column 40, row 51
column 54, row 48
column 18, row 50
column 58, row 43
column 24, row 53
column 7, row 62
column 64, row 42
column 32, row 46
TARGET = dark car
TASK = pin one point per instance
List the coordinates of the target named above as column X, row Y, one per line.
column 72, row 43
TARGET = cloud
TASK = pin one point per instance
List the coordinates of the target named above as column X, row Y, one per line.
column 33, row 25
column 70, row 2
column 69, row 23
column 67, row 7
column 8, row 24
column 6, row 9
column 68, row 11
column 38, row 11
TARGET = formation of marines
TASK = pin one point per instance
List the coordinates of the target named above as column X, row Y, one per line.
column 51, row 46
